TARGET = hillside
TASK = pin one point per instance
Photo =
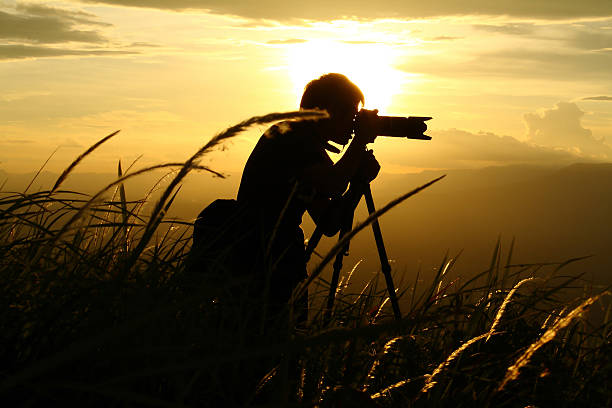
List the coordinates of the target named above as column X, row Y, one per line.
column 552, row 213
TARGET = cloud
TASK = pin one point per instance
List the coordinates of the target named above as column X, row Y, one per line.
column 45, row 25
column 16, row 141
column 70, row 143
column 561, row 127
column 556, row 136
column 454, row 148
column 513, row 29
column 598, row 98
column 520, row 63
column 445, row 38
column 326, row 10
column 585, row 36
column 360, row 42
column 146, row 119
column 77, row 16
column 258, row 24
column 591, row 39
column 9, row 52
column 17, row 96
column 141, row 44
column 386, row 43
column 289, row 41
column 32, row 30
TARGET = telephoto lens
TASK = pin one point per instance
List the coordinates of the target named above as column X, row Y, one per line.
column 411, row 127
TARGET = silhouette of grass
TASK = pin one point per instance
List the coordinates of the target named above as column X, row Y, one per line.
column 100, row 309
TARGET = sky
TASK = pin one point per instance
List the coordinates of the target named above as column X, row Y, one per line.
column 507, row 82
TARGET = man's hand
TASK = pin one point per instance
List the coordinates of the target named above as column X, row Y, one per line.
column 365, row 126
column 368, row 169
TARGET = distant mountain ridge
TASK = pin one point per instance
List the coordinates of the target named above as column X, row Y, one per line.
column 465, row 178
column 554, row 213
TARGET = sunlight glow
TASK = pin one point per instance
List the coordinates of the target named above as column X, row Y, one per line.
column 368, row 65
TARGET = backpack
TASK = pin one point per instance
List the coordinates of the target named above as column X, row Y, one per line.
column 223, row 239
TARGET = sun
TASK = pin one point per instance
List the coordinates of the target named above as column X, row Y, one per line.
column 368, row 65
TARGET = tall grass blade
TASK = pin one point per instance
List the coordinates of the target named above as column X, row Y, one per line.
column 505, row 303
column 124, row 210
column 388, row 346
column 508, row 263
column 429, row 383
column 514, row 370
column 416, row 282
column 494, row 266
column 96, row 197
column 40, row 170
column 72, row 165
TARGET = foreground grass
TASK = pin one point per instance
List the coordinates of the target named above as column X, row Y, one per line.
column 99, row 309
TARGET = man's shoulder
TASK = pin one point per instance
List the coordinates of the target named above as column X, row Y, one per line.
column 290, row 138
column 292, row 132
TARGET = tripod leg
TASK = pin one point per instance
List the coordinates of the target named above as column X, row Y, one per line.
column 345, row 228
column 382, row 253
column 333, row 284
column 313, row 242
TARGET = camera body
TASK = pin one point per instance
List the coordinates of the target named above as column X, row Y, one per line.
column 411, row 127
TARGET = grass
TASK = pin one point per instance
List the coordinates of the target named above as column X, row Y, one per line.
column 100, row 310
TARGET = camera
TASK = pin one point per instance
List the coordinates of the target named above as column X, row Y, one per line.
column 411, row 127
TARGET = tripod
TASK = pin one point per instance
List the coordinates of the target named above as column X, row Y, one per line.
column 382, row 254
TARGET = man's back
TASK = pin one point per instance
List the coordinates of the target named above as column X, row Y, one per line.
column 275, row 198
column 271, row 178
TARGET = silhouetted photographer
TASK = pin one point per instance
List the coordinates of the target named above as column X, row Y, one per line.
column 254, row 246
column 251, row 250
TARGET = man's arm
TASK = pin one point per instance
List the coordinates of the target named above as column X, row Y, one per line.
column 330, row 213
column 332, row 179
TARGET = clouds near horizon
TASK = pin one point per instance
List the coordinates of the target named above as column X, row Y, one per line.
column 325, row 10
column 457, row 149
column 556, row 136
column 598, row 98
column 48, row 25
column 35, row 30
column 11, row 52
column 520, row 63
column 561, row 127
column 169, row 71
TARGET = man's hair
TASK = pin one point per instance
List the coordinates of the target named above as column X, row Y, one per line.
column 331, row 92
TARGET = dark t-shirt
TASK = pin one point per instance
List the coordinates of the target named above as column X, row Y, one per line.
column 272, row 181
column 276, row 196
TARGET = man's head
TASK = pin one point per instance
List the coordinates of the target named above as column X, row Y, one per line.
column 336, row 94
column 331, row 92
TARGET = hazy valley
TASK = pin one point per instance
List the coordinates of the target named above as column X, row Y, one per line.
column 553, row 214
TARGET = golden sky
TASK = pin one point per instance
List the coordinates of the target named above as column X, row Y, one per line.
column 507, row 82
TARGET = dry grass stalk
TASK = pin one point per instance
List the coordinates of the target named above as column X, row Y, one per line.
column 38, row 172
column 344, row 283
column 553, row 316
column 68, row 169
column 429, row 383
column 396, row 385
column 514, row 370
column 439, row 287
column 376, row 363
column 505, row 303
column 380, row 309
